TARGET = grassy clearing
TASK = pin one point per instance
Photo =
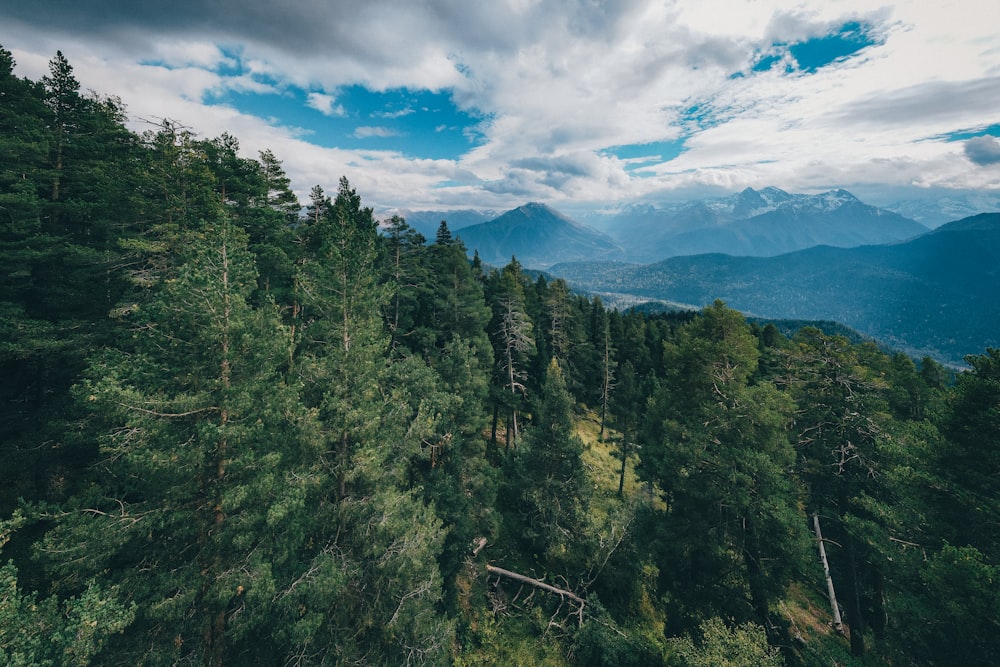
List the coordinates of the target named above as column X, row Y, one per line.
column 602, row 459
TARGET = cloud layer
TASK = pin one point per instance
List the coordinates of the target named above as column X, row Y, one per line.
column 567, row 94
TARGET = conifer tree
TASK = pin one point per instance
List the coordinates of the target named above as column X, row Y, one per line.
column 62, row 97
column 552, row 483
column 205, row 453
column 375, row 562
column 408, row 276
column 840, row 429
column 513, row 343
column 718, row 448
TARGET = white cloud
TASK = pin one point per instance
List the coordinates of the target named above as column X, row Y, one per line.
column 560, row 82
column 364, row 132
column 325, row 104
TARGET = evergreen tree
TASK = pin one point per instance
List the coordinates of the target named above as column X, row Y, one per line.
column 718, row 448
column 408, row 277
column 204, row 456
column 271, row 235
column 968, row 510
column 56, row 261
column 376, row 543
column 550, row 480
column 513, row 345
column 443, row 234
column 49, row 631
column 840, row 433
column 62, row 97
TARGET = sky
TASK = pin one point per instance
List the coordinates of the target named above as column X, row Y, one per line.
column 453, row 104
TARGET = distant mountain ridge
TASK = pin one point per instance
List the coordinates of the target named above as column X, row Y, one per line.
column 538, row 236
column 937, row 294
column 427, row 222
column 755, row 223
column 933, row 212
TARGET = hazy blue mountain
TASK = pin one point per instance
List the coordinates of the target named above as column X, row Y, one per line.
column 427, row 222
column 933, row 212
column 756, row 223
column 538, row 236
column 937, row 294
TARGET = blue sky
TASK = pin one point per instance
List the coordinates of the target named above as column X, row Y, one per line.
column 416, row 123
column 578, row 103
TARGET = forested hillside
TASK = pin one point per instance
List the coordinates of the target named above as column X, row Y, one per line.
column 234, row 433
column 926, row 296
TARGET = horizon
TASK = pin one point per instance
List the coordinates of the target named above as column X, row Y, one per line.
column 448, row 107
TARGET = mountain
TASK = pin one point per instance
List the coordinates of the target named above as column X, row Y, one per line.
column 934, row 212
column 756, row 223
column 427, row 222
column 538, row 236
column 935, row 295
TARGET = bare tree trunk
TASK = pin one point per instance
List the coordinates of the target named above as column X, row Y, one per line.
column 838, row 623
column 499, row 571
column 621, row 476
column 606, row 381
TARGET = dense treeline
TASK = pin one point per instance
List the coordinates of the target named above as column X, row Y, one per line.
column 237, row 433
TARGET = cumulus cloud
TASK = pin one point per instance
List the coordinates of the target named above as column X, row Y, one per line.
column 983, row 150
column 557, row 84
column 325, row 104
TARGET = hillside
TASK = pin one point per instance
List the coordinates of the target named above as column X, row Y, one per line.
column 933, row 295
column 539, row 237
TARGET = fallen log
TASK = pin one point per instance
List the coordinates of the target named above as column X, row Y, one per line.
column 499, row 571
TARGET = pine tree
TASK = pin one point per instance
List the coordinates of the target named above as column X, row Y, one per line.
column 205, row 453
column 63, row 100
column 840, row 430
column 408, row 276
column 513, row 344
column 718, row 448
column 56, row 263
column 376, row 543
column 551, row 480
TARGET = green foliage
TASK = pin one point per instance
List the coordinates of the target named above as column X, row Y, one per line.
column 732, row 530
column 722, row 646
column 276, row 449
column 952, row 618
column 549, row 481
column 40, row 632
column 190, row 480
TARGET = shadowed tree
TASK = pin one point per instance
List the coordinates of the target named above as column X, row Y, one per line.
column 717, row 445
column 204, row 451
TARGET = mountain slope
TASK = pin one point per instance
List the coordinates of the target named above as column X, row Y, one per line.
column 938, row 294
column 758, row 224
column 426, row 222
column 538, row 236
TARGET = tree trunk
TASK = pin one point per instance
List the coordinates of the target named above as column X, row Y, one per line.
column 854, row 621
column 499, row 571
column 854, row 602
column 759, row 599
column 621, row 475
column 838, row 623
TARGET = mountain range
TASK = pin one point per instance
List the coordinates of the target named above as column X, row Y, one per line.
column 771, row 254
column 935, row 211
column 755, row 223
column 937, row 294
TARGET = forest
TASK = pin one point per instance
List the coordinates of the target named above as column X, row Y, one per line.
column 241, row 430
